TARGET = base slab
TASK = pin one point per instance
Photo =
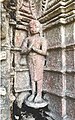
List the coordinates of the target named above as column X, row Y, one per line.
column 37, row 105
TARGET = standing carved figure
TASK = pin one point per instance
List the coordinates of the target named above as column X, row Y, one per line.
column 35, row 47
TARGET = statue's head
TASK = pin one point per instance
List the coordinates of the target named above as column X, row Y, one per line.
column 34, row 26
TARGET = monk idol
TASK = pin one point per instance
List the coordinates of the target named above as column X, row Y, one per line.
column 35, row 47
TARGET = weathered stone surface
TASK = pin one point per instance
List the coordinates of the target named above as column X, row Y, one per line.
column 21, row 82
column 70, row 87
column 54, row 37
column 70, row 59
column 3, row 55
column 55, row 105
column 54, row 60
column 17, row 59
column 2, row 91
column 70, row 106
column 69, row 33
column 21, row 98
column 3, row 34
column 53, row 82
column 5, row 113
column 53, row 115
column 20, row 35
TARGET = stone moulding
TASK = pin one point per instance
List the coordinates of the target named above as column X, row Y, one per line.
column 62, row 12
column 62, row 47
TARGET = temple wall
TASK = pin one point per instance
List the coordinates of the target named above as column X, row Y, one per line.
column 58, row 19
column 59, row 29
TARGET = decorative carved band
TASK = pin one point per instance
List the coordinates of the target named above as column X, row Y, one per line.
column 61, row 12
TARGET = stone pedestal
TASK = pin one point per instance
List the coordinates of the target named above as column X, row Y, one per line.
column 42, row 104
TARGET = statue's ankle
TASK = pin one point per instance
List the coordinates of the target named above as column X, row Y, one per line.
column 30, row 98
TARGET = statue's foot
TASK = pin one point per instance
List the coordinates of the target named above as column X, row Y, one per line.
column 31, row 97
column 38, row 99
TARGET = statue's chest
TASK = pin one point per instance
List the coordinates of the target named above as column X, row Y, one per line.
column 36, row 42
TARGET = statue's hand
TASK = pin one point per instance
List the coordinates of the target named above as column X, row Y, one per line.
column 26, row 51
column 33, row 48
column 29, row 48
column 38, row 51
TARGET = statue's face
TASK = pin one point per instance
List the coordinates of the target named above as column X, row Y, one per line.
column 34, row 27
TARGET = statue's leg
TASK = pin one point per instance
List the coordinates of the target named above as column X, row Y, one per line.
column 38, row 97
column 31, row 69
column 39, row 80
column 33, row 91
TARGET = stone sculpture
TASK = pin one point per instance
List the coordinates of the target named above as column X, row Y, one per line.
column 35, row 47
